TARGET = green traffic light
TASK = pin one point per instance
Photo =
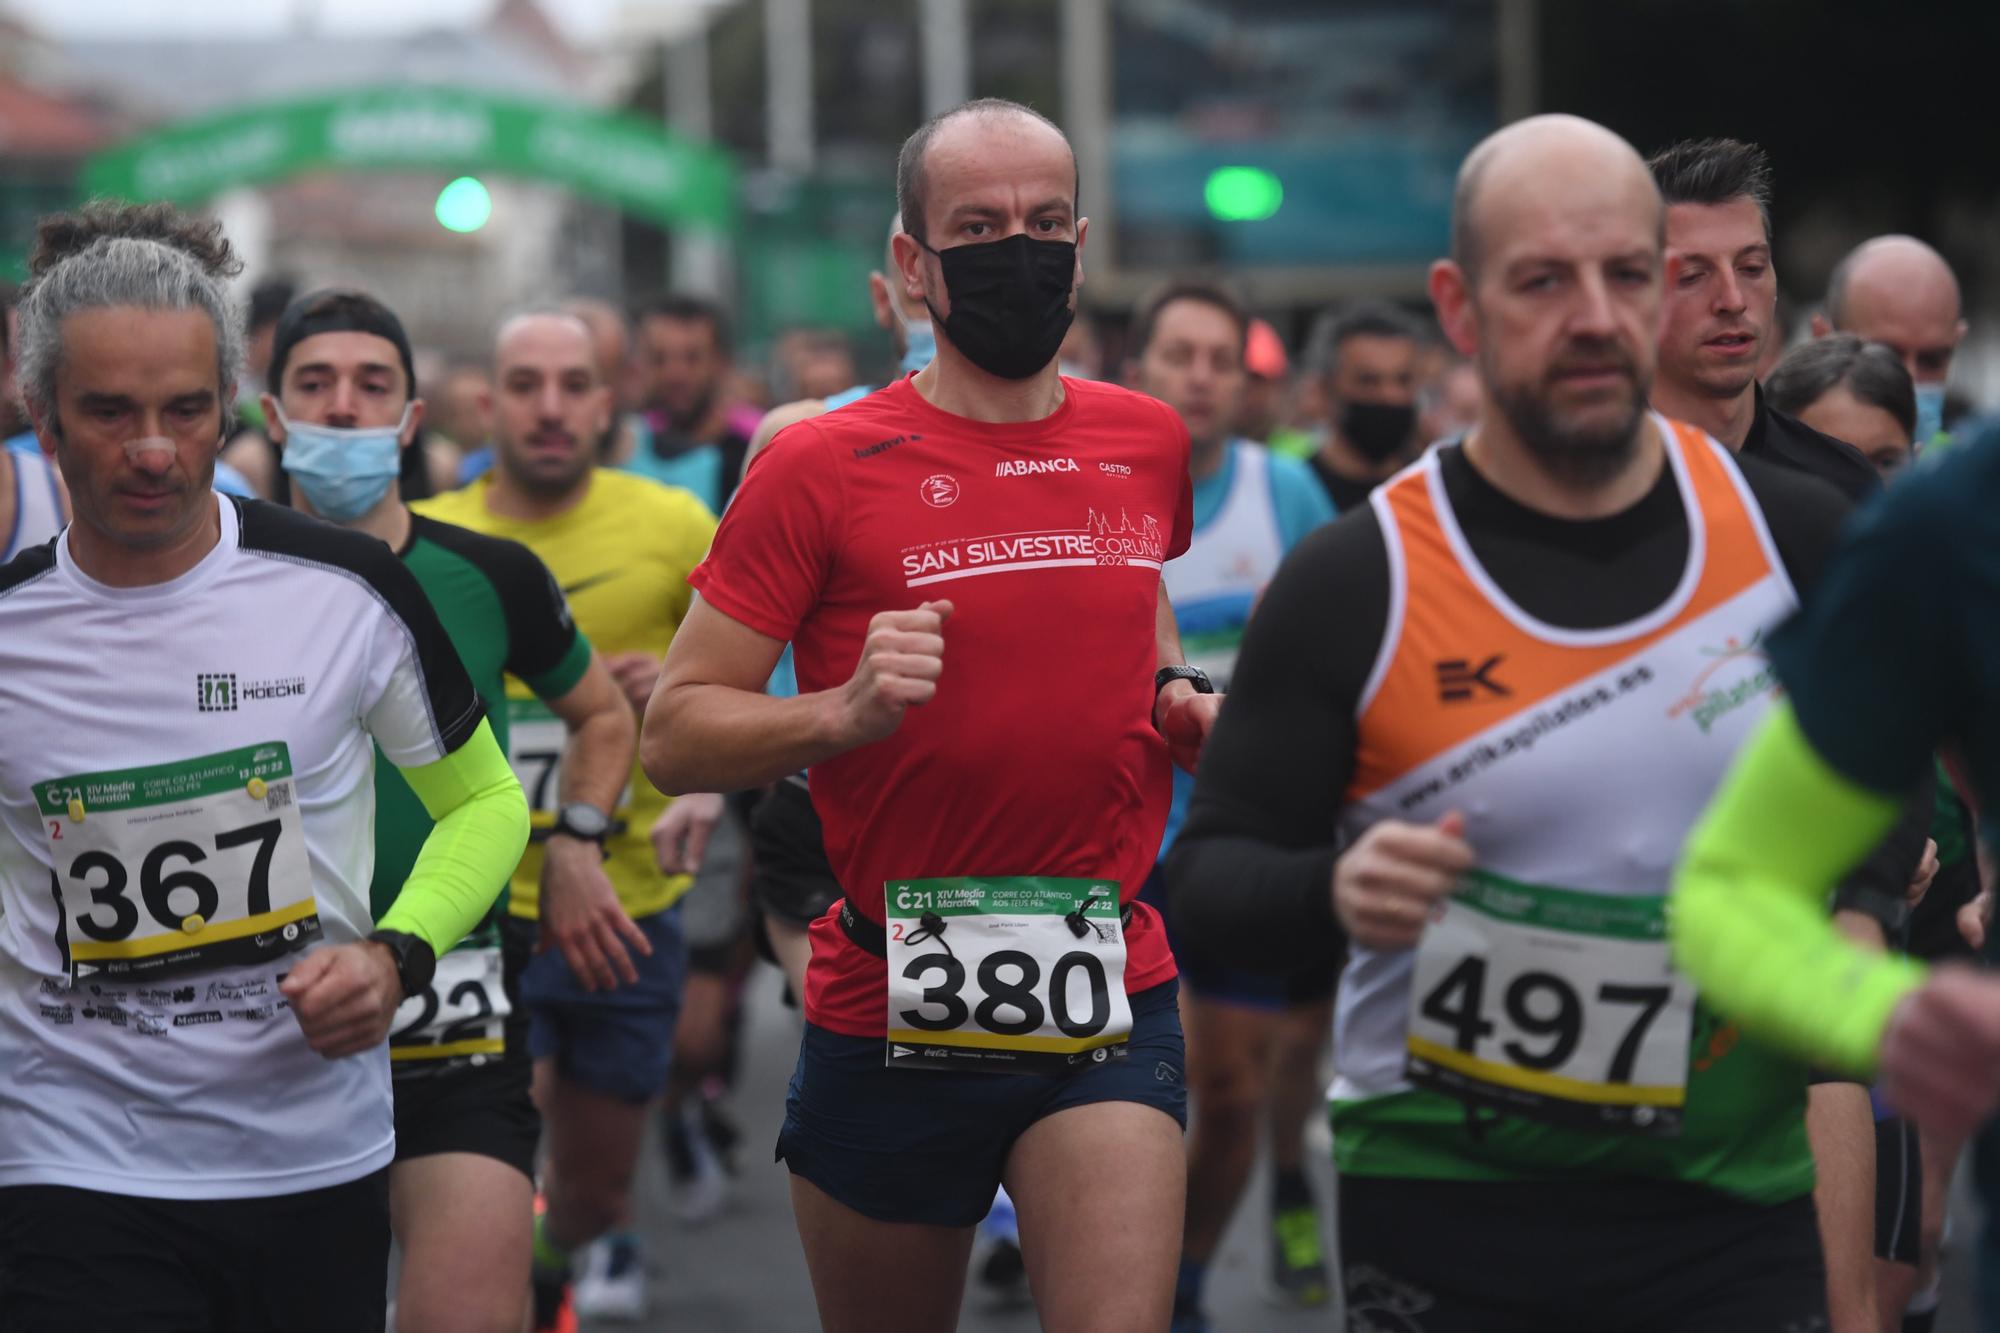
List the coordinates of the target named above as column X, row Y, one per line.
column 464, row 205
column 1242, row 194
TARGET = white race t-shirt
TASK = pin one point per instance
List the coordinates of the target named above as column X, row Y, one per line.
column 186, row 806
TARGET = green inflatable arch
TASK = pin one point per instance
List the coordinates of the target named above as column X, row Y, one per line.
column 621, row 159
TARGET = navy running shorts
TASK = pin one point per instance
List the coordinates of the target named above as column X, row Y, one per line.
column 618, row 1042
column 928, row 1146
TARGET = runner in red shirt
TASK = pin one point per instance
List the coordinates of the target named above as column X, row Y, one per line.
column 967, row 565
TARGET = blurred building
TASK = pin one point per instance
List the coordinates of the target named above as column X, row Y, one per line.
column 44, row 134
column 375, row 230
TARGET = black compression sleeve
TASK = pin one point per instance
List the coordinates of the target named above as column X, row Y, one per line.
column 1252, row 873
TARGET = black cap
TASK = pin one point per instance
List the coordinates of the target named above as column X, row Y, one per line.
column 336, row 310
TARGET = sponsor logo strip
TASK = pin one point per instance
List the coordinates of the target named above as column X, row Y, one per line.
column 1549, row 1085
column 174, row 941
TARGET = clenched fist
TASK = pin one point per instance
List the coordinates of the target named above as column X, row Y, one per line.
column 901, row 661
column 1386, row 884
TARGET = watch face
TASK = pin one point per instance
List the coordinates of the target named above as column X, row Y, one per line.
column 586, row 821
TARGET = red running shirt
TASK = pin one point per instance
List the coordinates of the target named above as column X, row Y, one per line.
column 1038, row 755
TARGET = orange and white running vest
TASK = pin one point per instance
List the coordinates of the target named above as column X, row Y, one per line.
column 1580, row 759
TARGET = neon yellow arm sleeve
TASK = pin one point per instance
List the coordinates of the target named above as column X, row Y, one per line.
column 1749, row 919
column 482, row 826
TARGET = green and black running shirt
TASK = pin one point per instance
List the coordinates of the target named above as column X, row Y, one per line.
column 506, row 616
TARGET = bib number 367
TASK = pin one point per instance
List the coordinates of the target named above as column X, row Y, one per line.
column 179, row 868
column 1010, row 975
column 1554, row 1005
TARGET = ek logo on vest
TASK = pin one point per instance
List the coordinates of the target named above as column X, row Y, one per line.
column 1460, row 681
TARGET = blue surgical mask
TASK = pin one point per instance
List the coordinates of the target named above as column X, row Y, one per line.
column 1930, row 413
column 343, row 473
column 919, row 345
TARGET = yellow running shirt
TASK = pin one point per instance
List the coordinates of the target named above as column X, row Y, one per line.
column 622, row 556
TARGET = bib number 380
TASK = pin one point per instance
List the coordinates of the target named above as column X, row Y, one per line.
column 1009, row 975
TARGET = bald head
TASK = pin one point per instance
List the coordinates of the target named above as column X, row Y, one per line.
column 552, row 406
column 540, row 327
column 1897, row 290
column 1568, row 162
column 962, row 132
column 1553, row 291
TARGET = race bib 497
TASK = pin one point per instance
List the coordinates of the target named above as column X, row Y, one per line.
column 1553, row 1004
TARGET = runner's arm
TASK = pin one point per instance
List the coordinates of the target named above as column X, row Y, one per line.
column 423, row 712
column 481, row 829
column 603, row 737
column 1252, row 872
column 1807, row 514
column 1749, row 917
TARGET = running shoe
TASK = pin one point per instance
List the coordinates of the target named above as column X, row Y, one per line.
column 696, row 1167
column 612, row 1286
column 1298, row 1263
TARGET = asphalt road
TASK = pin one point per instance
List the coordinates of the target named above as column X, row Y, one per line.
column 742, row 1272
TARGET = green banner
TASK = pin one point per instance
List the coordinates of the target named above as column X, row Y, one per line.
column 619, row 158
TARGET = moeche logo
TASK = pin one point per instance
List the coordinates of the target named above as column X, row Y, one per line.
column 939, row 490
column 221, row 692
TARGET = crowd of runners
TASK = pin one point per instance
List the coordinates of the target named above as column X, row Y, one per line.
column 1559, row 719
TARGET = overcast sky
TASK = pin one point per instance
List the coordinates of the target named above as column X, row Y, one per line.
column 584, row 19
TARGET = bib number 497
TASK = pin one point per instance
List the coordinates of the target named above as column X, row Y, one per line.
column 1552, row 1004
column 1545, row 1008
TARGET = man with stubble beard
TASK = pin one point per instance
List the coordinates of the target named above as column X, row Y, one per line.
column 1468, row 731
column 602, row 1031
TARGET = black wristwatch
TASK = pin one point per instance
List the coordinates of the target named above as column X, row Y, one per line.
column 416, row 964
column 1193, row 675
column 581, row 819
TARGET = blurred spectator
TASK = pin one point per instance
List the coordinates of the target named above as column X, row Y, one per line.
column 1898, row 291
column 1270, row 385
column 611, row 348
column 811, row 363
column 746, row 396
column 1081, row 355
column 13, row 421
column 1370, row 381
column 1852, row 390
column 685, row 344
column 248, row 452
column 462, row 411
column 1449, row 404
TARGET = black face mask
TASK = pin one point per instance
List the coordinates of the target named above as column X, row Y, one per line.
column 1378, row 431
column 1009, row 302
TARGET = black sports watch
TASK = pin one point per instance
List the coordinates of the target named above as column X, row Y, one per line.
column 581, row 819
column 416, row 963
column 1193, row 675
